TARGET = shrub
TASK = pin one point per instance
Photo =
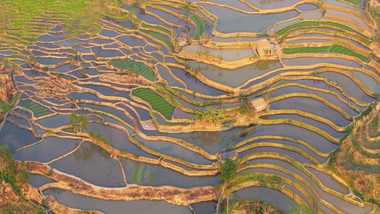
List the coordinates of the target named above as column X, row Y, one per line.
column 136, row 155
column 98, row 137
column 227, row 170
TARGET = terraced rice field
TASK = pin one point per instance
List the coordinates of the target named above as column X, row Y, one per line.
column 332, row 49
column 169, row 116
column 134, row 67
column 306, row 24
column 199, row 27
column 37, row 109
column 156, row 101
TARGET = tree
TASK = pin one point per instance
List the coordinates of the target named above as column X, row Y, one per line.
column 78, row 122
column 228, row 171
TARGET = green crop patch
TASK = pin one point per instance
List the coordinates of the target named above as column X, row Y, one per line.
column 157, row 102
column 342, row 50
column 142, row 175
column 306, row 50
column 160, row 37
column 134, row 67
column 338, row 25
column 354, row 1
column 157, row 28
column 299, row 24
column 37, row 109
column 135, row 174
column 199, row 27
column 312, row 24
column 333, row 49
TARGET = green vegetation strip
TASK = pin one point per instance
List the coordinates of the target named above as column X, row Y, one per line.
column 338, row 25
column 135, row 67
column 299, row 24
column 151, row 178
column 333, row 49
column 199, row 27
column 157, row 28
column 157, row 102
column 312, row 24
column 135, row 174
column 346, row 51
column 37, row 109
column 142, row 175
column 160, row 37
column 355, row 1
column 306, row 50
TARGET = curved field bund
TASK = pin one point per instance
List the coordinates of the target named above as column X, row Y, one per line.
column 314, row 94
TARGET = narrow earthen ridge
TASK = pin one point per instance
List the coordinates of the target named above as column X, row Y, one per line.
column 173, row 195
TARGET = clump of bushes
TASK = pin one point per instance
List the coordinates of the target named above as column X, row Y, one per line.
column 9, row 172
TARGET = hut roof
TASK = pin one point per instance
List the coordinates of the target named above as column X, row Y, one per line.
column 258, row 104
column 231, row 154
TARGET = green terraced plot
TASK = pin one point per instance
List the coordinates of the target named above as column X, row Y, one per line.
column 160, row 37
column 355, row 1
column 157, row 28
column 299, row 24
column 345, row 51
column 157, row 102
column 199, row 27
column 337, row 25
column 37, row 109
column 306, row 50
column 332, row 49
column 312, row 24
column 134, row 67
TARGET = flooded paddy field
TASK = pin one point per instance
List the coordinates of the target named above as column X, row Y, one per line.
column 161, row 100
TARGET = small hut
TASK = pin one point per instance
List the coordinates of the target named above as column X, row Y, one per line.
column 258, row 104
column 228, row 155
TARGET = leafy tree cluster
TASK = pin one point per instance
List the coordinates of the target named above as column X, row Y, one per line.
column 78, row 122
